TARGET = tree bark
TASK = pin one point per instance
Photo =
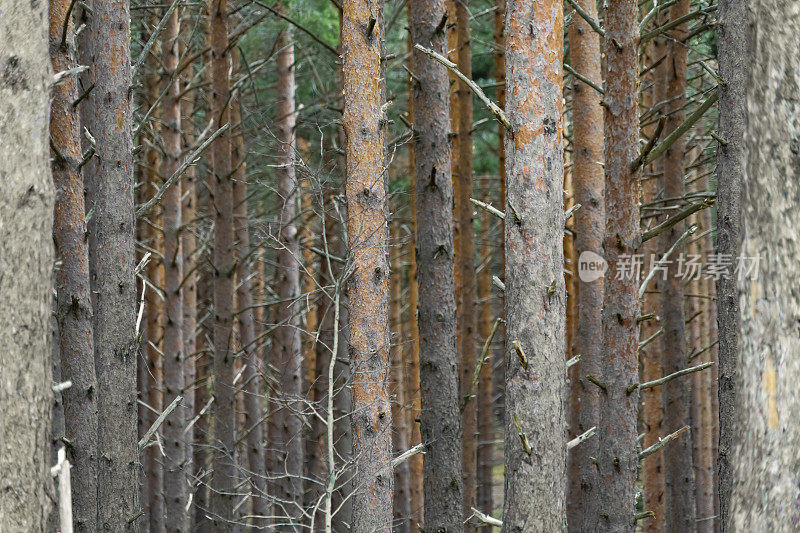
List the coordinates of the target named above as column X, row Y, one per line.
column 412, row 368
column 401, row 497
column 732, row 50
column 486, row 437
column 535, row 420
column 364, row 125
column 223, row 479
column 440, row 422
column 74, row 304
column 764, row 454
column 287, row 348
column 253, row 394
column 678, row 471
column 175, row 480
column 588, row 179
column 189, row 247
column 465, row 258
column 112, row 254
column 26, row 269
column 618, row 460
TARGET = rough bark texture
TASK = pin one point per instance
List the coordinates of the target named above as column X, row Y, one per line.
column 253, row 397
column 412, row 360
column 287, row 349
column 364, row 125
column 732, row 48
column 764, row 458
column 618, row 461
column 678, row 470
column 535, row 419
column 588, row 180
column 440, row 420
column 175, row 482
column 465, row 256
column 223, row 479
column 111, row 244
column 74, row 304
column 26, row 268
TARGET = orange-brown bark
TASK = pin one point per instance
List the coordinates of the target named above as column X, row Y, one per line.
column 364, row 125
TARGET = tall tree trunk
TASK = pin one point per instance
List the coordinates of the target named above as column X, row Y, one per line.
column 440, row 420
column 588, row 181
column 678, row 471
column 653, row 498
column 175, row 481
column 732, row 50
column 484, row 390
column 402, row 504
column 223, row 479
column 618, row 461
column 412, row 368
column 465, row 259
column 111, row 245
column 288, row 442
column 152, row 240
column 189, row 246
column 253, row 396
column 764, row 454
column 26, row 266
column 535, row 421
column 74, row 304
column 364, row 125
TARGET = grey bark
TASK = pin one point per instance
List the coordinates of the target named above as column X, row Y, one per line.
column 112, row 254
column 732, row 37
column 535, row 416
column 764, row 455
column 287, row 349
column 26, row 268
column 440, row 418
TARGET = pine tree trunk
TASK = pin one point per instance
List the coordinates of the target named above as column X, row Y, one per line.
column 732, row 50
column 412, row 368
column 288, row 442
column 223, row 479
column 175, row 480
column 440, row 421
column 112, row 255
column 74, row 304
column 618, row 461
column 650, row 354
column 535, row 420
column 764, row 454
column 465, row 260
column 678, row 471
column 26, row 266
column 364, row 125
column 189, row 247
column 587, row 172
column 253, row 395
column 402, row 504
column 484, row 391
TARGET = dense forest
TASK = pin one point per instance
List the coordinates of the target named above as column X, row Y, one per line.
column 405, row 265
